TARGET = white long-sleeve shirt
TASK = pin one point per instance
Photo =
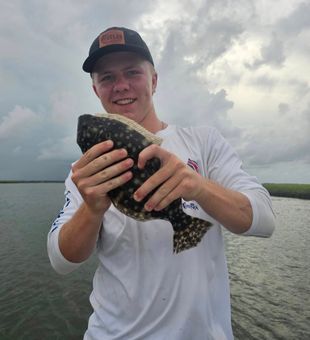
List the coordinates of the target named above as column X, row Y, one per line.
column 141, row 290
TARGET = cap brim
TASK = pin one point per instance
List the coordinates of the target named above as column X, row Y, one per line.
column 90, row 62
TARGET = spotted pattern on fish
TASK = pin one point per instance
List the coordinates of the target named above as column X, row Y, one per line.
column 125, row 133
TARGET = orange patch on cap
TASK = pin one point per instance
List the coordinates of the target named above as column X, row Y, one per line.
column 111, row 37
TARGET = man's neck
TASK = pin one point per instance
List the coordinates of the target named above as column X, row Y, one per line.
column 152, row 123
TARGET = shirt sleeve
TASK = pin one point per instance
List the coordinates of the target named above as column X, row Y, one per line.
column 225, row 167
column 73, row 200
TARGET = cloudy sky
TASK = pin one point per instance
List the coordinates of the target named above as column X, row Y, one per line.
column 239, row 65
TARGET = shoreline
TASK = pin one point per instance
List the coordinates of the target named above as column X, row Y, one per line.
column 289, row 190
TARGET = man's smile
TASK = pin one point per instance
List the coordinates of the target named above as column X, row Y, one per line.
column 124, row 101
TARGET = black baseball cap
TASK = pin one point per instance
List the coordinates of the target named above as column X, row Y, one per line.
column 116, row 39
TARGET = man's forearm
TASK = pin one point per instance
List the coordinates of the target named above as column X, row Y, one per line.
column 77, row 237
column 230, row 208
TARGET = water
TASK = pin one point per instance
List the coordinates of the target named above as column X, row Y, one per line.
column 35, row 302
column 269, row 277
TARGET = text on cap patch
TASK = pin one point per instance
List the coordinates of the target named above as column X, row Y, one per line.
column 111, row 37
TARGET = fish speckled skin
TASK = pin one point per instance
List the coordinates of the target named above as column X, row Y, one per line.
column 125, row 133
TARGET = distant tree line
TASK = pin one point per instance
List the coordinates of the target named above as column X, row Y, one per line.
column 288, row 190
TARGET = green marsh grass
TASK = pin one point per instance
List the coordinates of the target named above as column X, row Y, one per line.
column 288, row 190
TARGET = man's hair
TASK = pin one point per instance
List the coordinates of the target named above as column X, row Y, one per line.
column 151, row 67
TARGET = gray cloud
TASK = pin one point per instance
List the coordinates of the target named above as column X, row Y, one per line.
column 283, row 40
column 60, row 149
column 280, row 144
column 297, row 21
column 44, row 89
column 190, row 45
column 17, row 122
column 265, row 81
column 271, row 54
column 283, row 108
column 301, row 87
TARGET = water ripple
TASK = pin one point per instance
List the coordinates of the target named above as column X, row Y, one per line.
column 269, row 277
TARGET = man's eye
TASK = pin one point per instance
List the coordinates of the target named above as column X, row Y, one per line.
column 133, row 72
column 106, row 78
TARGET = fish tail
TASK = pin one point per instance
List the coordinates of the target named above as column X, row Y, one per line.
column 191, row 235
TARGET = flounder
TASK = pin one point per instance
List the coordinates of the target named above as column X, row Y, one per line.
column 125, row 133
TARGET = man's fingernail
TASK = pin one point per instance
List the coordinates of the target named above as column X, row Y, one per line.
column 148, row 207
column 136, row 197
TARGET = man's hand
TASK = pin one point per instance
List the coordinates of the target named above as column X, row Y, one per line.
column 98, row 171
column 175, row 179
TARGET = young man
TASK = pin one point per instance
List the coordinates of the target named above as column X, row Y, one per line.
column 141, row 290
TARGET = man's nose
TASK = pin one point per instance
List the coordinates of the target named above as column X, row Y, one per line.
column 121, row 84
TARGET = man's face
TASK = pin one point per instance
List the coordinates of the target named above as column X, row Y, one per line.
column 125, row 84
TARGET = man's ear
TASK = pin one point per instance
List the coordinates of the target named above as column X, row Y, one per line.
column 154, row 82
column 95, row 90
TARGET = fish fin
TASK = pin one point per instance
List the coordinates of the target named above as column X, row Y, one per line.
column 133, row 125
column 190, row 236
